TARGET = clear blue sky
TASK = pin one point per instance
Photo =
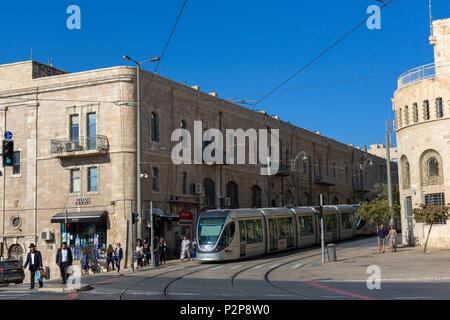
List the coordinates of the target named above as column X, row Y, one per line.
column 243, row 49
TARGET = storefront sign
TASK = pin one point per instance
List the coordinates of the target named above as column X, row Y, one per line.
column 83, row 201
column 186, row 215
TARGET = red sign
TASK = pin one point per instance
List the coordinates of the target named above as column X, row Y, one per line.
column 186, row 215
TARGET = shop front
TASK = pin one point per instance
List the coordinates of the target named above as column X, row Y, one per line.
column 83, row 231
column 186, row 224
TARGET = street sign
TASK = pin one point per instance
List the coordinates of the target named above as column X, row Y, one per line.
column 8, row 135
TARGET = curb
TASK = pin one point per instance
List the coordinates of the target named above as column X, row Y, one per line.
column 85, row 287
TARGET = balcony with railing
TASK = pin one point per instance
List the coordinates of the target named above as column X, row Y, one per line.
column 81, row 147
column 327, row 180
column 417, row 74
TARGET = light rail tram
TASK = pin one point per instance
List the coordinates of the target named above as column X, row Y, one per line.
column 234, row 234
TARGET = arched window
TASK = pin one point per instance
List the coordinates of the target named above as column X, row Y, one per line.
column 306, row 199
column 154, row 127
column 16, row 252
column 256, row 197
column 183, row 124
column 335, row 200
column 210, row 192
column 233, row 194
column 406, row 173
column 431, row 168
column 348, row 201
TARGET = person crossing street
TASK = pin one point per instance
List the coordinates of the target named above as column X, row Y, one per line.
column 64, row 259
column 34, row 263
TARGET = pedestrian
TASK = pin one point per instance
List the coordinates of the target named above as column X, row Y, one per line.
column 118, row 255
column 139, row 254
column 84, row 261
column 64, row 260
column 185, row 249
column 162, row 248
column 34, row 263
column 147, row 254
column 381, row 233
column 393, row 238
column 194, row 249
column 110, row 257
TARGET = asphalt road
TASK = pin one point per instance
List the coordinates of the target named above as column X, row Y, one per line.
column 251, row 279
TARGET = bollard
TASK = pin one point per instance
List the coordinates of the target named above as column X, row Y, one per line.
column 331, row 252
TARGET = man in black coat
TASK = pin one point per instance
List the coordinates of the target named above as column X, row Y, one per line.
column 34, row 261
column 64, row 259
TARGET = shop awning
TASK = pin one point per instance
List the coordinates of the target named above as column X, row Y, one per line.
column 159, row 213
column 87, row 216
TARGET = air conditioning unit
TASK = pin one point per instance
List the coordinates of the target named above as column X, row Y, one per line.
column 47, row 235
column 227, row 201
column 198, row 188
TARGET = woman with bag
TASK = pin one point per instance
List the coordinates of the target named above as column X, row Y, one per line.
column 109, row 257
column 139, row 254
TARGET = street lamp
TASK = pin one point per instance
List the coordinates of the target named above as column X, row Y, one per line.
column 138, row 140
column 305, row 158
column 362, row 167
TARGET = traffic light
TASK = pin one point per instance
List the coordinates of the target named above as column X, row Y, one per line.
column 135, row 217
column 8, row 153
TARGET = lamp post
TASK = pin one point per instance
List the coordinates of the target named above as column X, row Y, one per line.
column 362, row 167
column 305, row 158
column 138, row 140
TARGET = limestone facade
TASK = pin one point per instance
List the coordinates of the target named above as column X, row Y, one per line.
column 422, row 108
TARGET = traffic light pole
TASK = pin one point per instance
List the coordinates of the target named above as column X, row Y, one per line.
column 132, row 241
column 322, row 233
column 66, row 236
column 152, row 237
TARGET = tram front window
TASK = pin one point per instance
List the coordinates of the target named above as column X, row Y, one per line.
column 209, row 229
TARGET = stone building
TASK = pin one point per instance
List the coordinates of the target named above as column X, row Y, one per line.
column 75, row 142
column 379, row 150
column 422, row 108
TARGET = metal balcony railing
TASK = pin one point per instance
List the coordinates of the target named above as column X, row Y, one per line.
column 84, row 144
column 417, row 74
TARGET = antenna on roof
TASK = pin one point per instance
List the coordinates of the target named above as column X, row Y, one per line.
column 430, row 8
column 50, row 62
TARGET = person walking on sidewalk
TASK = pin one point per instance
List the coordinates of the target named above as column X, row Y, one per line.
column 110, row 257
column 393, row 238
column 84, row 261
column 118, row 255
column 185, row 249
column 162, row 249
column 381, row 233
column 139, row 253
column 34, row 263
column 147, row 253
column 194, row 249
column 64, row 260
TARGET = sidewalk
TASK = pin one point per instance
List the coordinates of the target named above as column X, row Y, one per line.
column 408, row 264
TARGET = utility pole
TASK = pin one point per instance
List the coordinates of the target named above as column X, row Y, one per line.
column 388, row 168
column 66, row 236
column 152, row 237
column 132, row 241
column 322, row 233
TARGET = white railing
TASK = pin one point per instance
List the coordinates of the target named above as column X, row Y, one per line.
column 417, row 74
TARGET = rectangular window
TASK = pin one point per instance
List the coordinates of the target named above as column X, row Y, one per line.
column 334, row 169
column 399, row 118
column 347, row 220
column 415, row 113
column 155, row 179
column 91, row 131
column 406, row 115
column 426, row 110
column 75, row 180
column 184, row 183
column 436, row 199
column 92, row 179
column 74, row 129
column 16, row 163
column 439, row 108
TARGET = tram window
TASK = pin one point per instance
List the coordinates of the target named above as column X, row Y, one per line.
column 258, row 231
column 209, row 229
column 306, row 225
column 330, row 222
column 250, row 226
column 282, row 228
column 242, row 231
column 347, row 220
column 227, row 235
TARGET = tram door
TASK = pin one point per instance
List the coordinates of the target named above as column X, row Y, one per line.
column 331, row 226
column 290, row 232
column 242, row 231
column 273, row 235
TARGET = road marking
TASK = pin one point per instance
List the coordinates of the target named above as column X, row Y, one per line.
column 339, row 291
column 260, row 266
column 176, row 268
column 199, row 267
column 217, row 268
column 274, row 266
column 298, row 265
column 236, row 267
